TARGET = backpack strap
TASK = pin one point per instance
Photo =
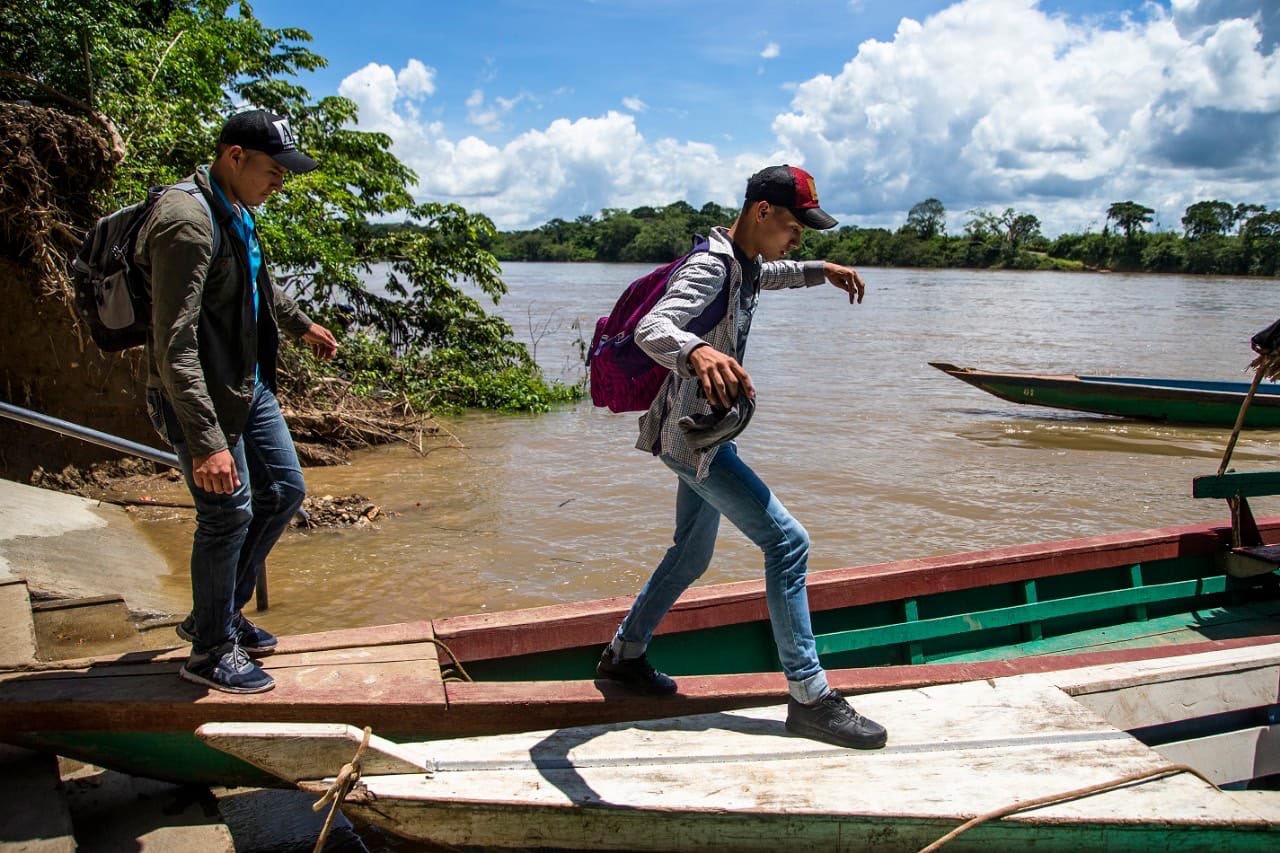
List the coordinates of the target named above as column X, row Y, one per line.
column 719, row 307
column 190, row 188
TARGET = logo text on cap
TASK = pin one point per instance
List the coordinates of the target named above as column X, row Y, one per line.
column 285, row 134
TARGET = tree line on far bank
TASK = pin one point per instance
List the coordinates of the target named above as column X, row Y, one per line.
column 1217, row 238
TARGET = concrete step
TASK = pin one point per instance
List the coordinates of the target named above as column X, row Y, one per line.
column 76, row 627
column 17, row 631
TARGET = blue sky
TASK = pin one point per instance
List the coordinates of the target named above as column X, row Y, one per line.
column 527, row 110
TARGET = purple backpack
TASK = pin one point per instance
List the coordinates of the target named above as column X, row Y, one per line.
column 623, row 377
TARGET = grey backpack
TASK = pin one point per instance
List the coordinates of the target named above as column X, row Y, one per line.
column 113, row 297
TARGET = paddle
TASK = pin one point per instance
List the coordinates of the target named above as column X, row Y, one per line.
column 1244, row 407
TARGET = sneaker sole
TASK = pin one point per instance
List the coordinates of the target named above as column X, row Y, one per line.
column 187, row 675
column 826, row 737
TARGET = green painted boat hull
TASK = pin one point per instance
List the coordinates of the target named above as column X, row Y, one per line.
column 1167, row 401
column 931, row 620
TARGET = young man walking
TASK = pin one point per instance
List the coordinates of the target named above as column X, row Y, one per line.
column 706, row 401
column 211, row 386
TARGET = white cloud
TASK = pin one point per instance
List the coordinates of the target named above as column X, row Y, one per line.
column 987, row 104
column 416, row 80
column 573, row 167
column 489, row 115
column 993, row 103
column 771, row 51
column 386, row 97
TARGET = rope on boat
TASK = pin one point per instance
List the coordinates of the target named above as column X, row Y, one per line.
column 1065, row 796
column 453, row 657
column 347, row 777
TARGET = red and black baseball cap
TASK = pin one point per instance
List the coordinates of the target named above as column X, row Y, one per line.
column 791, row 187
column 261, row 130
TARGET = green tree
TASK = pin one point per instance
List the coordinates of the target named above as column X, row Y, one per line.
column 1261, row 239
column 927, row 219
column 1244, row 212
column 166, row 73
column 1164, row 252
column 1129, row 217
column 1010, row 227
column 1208, row 217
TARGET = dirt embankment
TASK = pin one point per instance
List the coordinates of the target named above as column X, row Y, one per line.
column 52, row 167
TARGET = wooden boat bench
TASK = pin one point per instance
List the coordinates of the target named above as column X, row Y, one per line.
column 1249, row 555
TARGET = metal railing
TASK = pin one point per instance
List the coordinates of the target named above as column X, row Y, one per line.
column 93, row 436
column 114, row 442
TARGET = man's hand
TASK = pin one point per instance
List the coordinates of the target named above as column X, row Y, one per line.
column 323, row 343
column 721, row 376
column 847, row 279
column 216, row 472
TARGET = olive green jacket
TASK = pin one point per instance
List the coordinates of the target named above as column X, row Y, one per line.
column 205, row 347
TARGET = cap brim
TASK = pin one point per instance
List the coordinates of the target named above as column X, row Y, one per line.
column 814, row 217
column 295, row 161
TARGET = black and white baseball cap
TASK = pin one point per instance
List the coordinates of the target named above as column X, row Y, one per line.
column 261, row 130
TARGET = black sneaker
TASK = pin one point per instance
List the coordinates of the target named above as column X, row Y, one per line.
column 226, row 668
column 832, row 720
column 186, row 629
column 254, row 640
column 635, row 674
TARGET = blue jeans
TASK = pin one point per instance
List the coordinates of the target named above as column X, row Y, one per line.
column 731, row 488
column 235, row 532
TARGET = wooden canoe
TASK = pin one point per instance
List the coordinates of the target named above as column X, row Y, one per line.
column 907, row 623
column 1174, row 401
column 1122, row 757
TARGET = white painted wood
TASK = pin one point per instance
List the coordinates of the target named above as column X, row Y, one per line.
column 1172, row 698
column 1095, row 679
column 738, row 780
column 1230, row 757
column 297, row 751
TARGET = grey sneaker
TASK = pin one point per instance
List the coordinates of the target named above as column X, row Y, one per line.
column 226, row 668
column 636, row 674
column 832, row 720
column 251, row 638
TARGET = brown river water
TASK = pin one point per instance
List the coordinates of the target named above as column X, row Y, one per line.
column 879, row 455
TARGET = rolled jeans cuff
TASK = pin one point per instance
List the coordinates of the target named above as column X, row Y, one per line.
column 627, row 649
column 810, row 690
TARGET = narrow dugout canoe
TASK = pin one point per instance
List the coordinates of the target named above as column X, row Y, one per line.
column 1129, row 734
column 927, row 621
column 1174, row 401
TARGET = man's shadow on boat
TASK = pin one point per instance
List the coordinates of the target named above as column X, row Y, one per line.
column 551, row 754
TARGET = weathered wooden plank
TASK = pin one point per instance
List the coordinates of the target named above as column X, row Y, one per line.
column 1244, row 484
column 1236, row 756
column 391, row 693
column 312, row 751
column 1182, row 697
column 694, row 782
column 399, row 633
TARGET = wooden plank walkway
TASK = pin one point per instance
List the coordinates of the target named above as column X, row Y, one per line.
column 737, row 779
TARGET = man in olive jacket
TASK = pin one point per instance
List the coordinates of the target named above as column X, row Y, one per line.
column 211, row 383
